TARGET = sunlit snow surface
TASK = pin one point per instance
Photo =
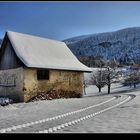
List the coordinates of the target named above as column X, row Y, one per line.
column 121, row 119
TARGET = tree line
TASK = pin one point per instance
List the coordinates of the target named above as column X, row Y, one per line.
column 109, row 73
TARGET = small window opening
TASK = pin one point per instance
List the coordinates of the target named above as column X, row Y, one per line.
column 42, row 74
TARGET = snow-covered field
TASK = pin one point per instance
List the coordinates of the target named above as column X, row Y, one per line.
column 124, row 118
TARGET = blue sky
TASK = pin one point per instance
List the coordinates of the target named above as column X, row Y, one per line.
column 61, row 20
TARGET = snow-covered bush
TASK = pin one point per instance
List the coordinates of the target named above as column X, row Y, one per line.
column 5, row 101
column 132, row 78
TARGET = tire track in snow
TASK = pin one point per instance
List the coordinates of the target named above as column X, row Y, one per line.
column 4, row 130
column 74, row 122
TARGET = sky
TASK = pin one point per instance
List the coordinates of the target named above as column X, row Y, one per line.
column 62, row 20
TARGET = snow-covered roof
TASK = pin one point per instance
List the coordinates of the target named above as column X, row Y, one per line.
column 38, row 52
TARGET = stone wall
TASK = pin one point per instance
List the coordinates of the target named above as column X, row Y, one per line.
column 27, row 85
column 11, row 77
column 64, row 80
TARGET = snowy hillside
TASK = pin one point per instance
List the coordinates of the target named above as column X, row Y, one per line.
column 122, row 45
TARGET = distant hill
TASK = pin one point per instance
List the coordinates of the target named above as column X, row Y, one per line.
column 122, row 46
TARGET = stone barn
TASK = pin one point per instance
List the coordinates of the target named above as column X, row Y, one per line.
column 30, row 65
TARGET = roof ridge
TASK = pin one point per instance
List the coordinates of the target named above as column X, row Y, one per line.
column 26, row 34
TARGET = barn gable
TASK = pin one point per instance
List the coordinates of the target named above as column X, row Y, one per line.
column 8, row 57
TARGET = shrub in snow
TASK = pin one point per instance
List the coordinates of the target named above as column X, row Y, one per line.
column 55, row 94
column 5, row 101
column 132, row 78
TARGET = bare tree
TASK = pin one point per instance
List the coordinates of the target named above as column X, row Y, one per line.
column 105, row 75
column 98, row 78
column 110, row 75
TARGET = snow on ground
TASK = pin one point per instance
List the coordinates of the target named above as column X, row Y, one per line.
column 124, row 118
